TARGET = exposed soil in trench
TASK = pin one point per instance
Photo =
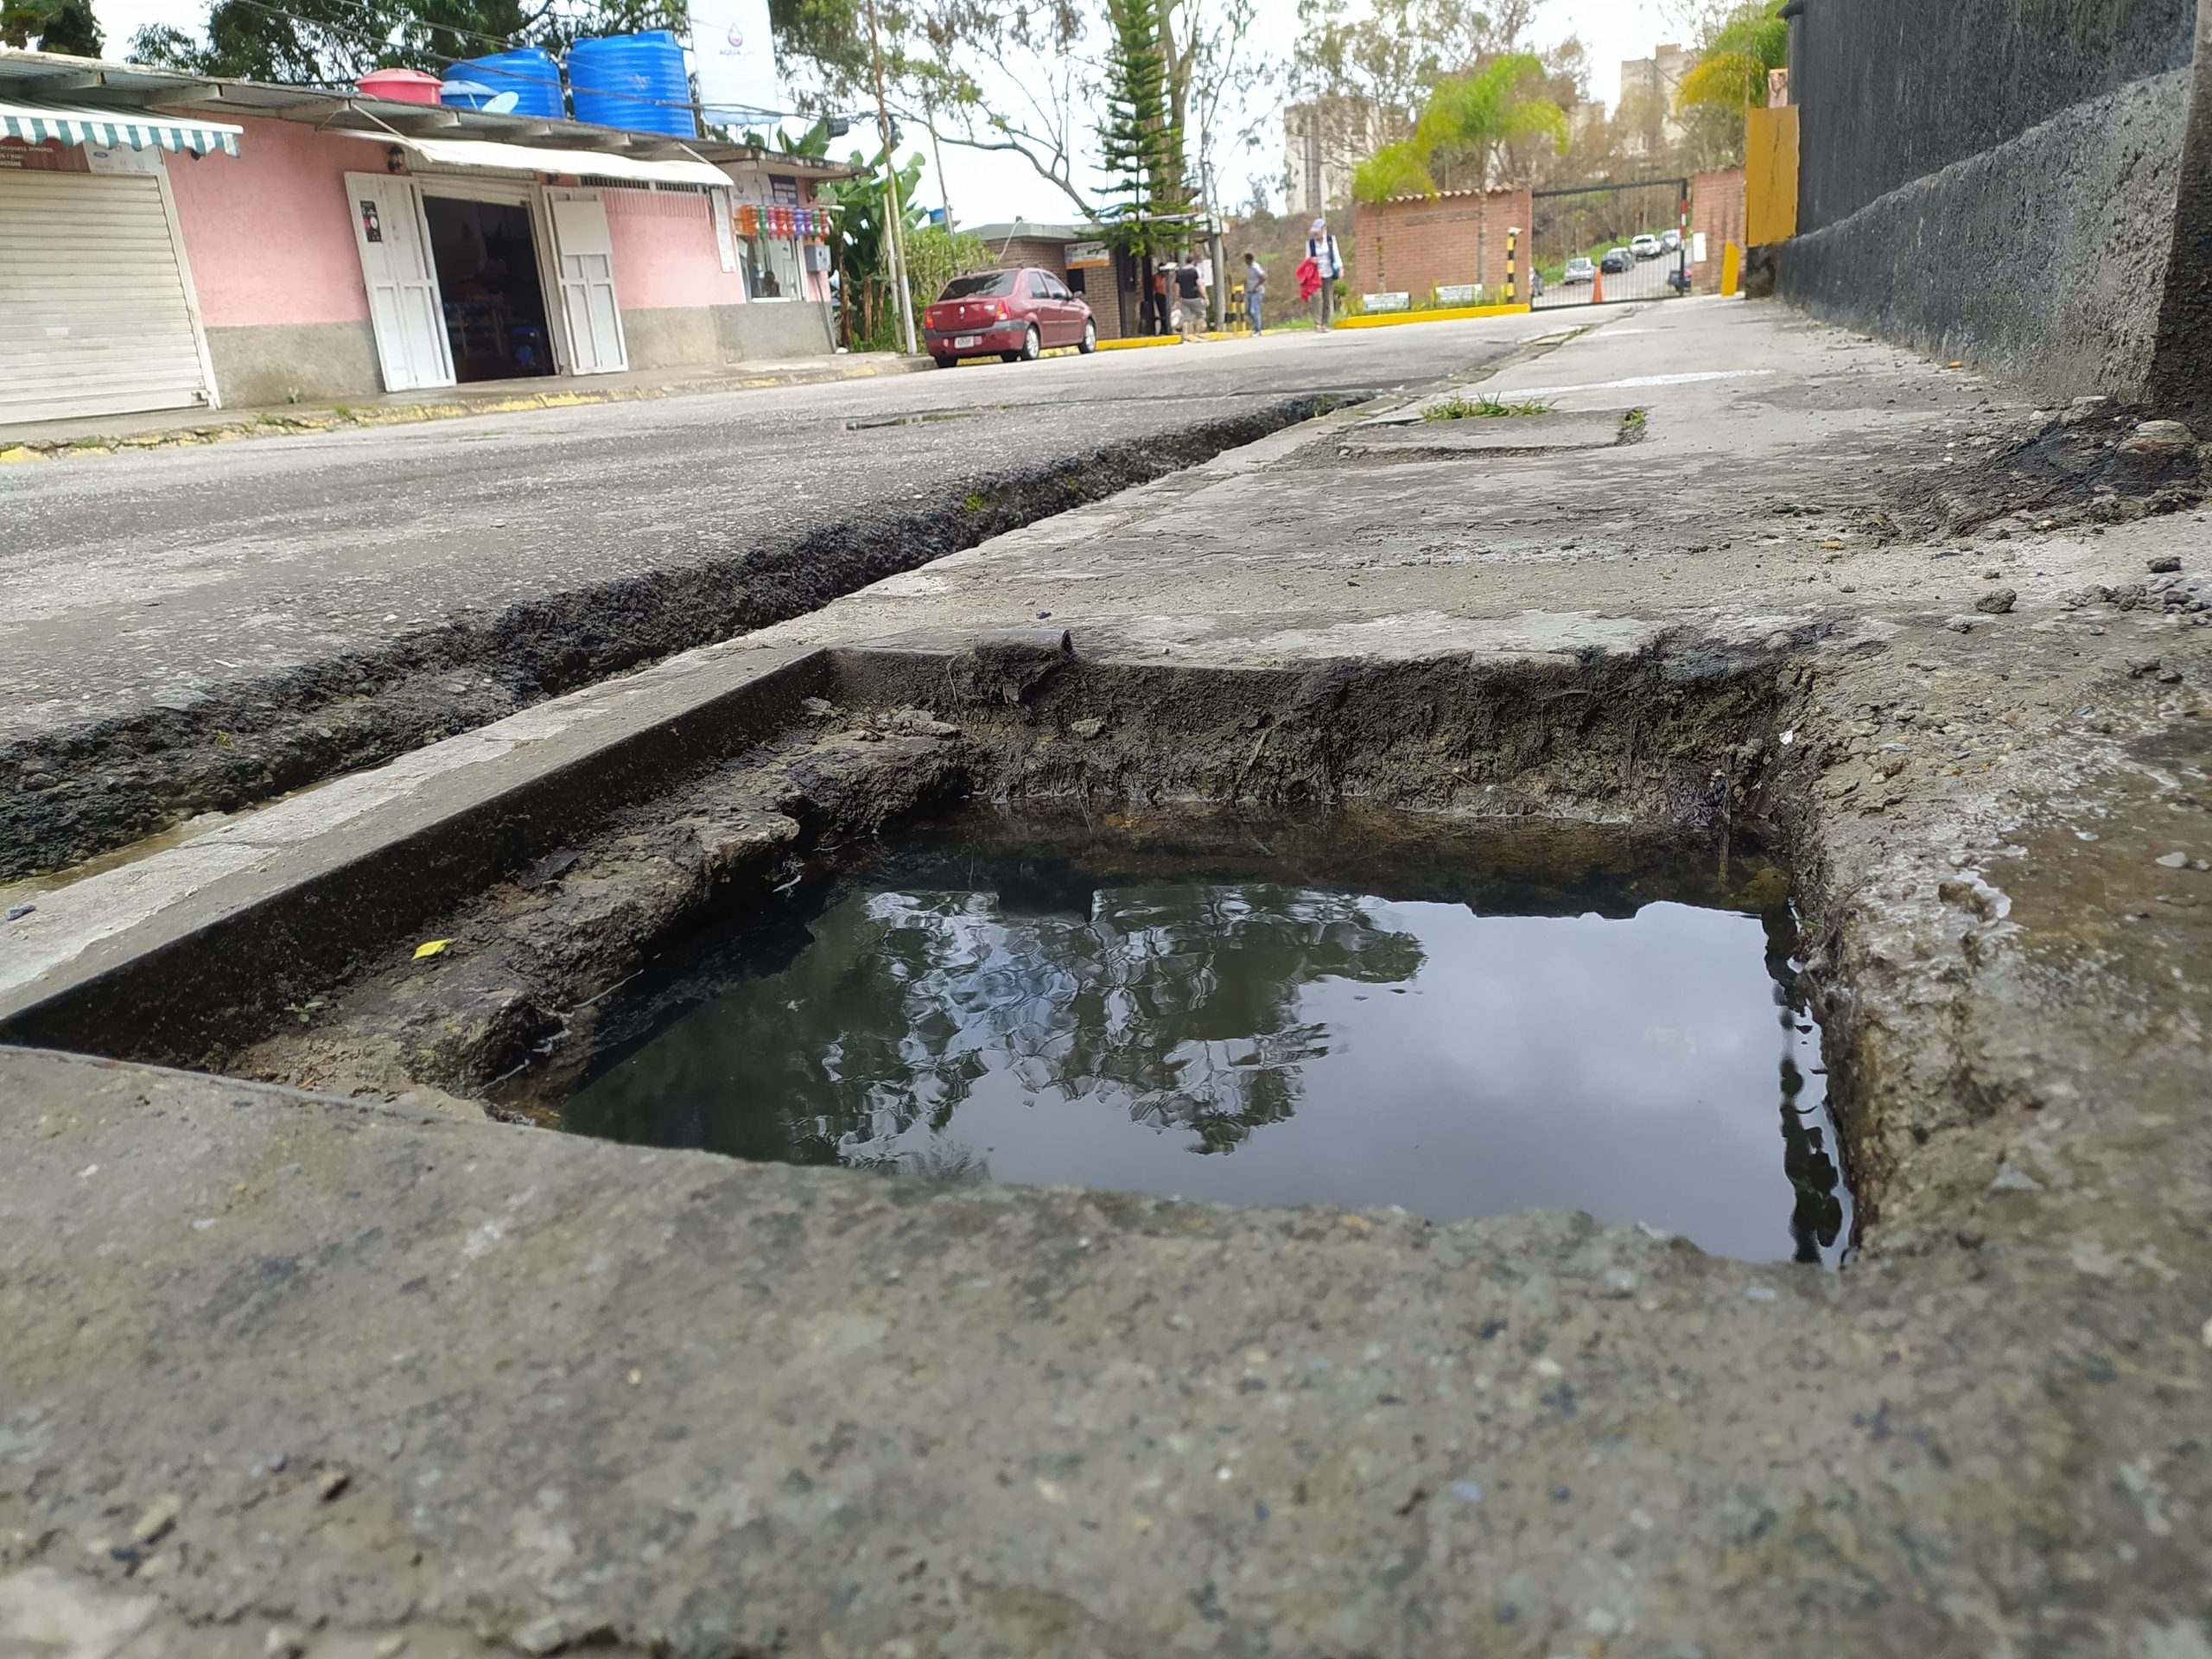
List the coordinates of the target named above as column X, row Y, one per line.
column 67, row 798
column 1659, row 744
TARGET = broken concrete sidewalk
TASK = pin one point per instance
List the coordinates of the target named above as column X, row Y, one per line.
column 349, row 1371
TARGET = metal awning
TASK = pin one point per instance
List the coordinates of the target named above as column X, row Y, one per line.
column 116, row 129
column 531, row 158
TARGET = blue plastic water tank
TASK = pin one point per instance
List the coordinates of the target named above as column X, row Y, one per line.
column 634, row 81
column 530, row 75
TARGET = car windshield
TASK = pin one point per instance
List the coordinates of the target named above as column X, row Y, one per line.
column 983, row 285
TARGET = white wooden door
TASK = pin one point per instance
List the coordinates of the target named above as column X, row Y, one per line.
column 404, row 305
column 586, row 255
column 96, row 314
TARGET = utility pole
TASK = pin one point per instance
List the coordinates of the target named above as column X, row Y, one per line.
column 937, row 150
column 1217, row 256
column 895, row 221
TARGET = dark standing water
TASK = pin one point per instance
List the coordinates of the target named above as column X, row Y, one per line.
column 998, row 1003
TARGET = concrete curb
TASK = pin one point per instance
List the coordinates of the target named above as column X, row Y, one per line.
column 1456, row 314
column 270, row 424
column 419, row 831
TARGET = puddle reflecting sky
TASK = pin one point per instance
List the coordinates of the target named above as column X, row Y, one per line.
column 1249, row 1042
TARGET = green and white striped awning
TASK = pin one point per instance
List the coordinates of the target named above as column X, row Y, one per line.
column 116, row 129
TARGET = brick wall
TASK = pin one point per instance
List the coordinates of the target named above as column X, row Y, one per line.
column 1045, row 255
column 1411, row 246
column 1717, row 211
column 1096, row 284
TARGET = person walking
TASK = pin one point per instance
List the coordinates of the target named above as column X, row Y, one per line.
column 1190, row 297
column 1328, row 264
column 1256, row 291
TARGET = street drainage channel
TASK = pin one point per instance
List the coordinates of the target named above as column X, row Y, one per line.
column 1343, row 1008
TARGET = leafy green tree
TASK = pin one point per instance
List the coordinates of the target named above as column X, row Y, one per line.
column 55, row 25
column 935, row 256
column 309, row 41
column 1732, row 67
column 860, row 249
column 1392, row 54
column 1468, row 120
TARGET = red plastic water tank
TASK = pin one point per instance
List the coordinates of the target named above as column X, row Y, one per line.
column 400, row 86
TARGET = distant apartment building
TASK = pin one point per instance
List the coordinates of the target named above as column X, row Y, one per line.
column 1323, row 139
column 1647, row 114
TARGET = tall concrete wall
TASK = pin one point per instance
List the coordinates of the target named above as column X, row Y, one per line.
column 2181, row 368
column 1891, row 91
column 1994, row 180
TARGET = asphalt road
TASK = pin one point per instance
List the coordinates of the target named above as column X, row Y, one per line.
column 160, row 600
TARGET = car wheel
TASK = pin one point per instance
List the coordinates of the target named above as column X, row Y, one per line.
column 1032, row 343
column 1090, row 338
column 946, row 362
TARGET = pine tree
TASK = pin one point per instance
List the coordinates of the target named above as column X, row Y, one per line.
column 1139, row 151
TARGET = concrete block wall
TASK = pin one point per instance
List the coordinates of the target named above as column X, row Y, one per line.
column 1414, row 245
column 2002, row 182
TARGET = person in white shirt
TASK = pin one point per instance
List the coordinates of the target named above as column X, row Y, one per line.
column 1321, row 249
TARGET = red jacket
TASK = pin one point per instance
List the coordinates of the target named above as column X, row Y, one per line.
column 1309, row 279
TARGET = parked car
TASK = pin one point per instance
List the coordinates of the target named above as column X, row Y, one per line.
column 1678, row 279
column 1671, row 240
column 1579, row 272
column 1616, row 261
column 1013, row 314
column 1646, row 246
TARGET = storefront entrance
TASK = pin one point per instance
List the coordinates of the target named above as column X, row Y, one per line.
column 491, row 293
column 475, row 277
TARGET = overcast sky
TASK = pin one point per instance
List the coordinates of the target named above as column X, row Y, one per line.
column 997, row 188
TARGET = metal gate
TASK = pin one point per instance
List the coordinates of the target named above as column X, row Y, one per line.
column 1579, row 234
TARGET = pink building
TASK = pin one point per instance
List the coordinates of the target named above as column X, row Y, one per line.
column 168, row 240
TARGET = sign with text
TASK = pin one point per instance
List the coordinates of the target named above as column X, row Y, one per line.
column 735, row 61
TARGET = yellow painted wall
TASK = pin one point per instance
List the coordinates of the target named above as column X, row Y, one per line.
column 1771, row 175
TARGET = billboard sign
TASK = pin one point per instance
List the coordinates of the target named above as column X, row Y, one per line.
column 735, row 57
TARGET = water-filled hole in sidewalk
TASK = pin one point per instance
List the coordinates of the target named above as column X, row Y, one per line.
column 1355, row 1010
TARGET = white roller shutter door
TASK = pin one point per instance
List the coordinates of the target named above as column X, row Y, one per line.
column 95, row 317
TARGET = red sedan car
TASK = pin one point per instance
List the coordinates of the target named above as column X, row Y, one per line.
column 1009, row 313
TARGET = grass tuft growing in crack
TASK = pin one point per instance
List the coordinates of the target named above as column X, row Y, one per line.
column 1462, row 409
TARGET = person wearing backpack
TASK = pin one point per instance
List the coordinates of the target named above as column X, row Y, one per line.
column 1328, row 264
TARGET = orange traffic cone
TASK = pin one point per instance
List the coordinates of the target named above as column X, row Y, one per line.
column 1598, row 287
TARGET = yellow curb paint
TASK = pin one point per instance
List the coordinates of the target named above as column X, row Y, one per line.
column 1455, row 314
column 19, row 453
column 1138, row 343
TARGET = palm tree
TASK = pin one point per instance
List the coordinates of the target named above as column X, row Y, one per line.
column 1731, row 72
column 1467, row 120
